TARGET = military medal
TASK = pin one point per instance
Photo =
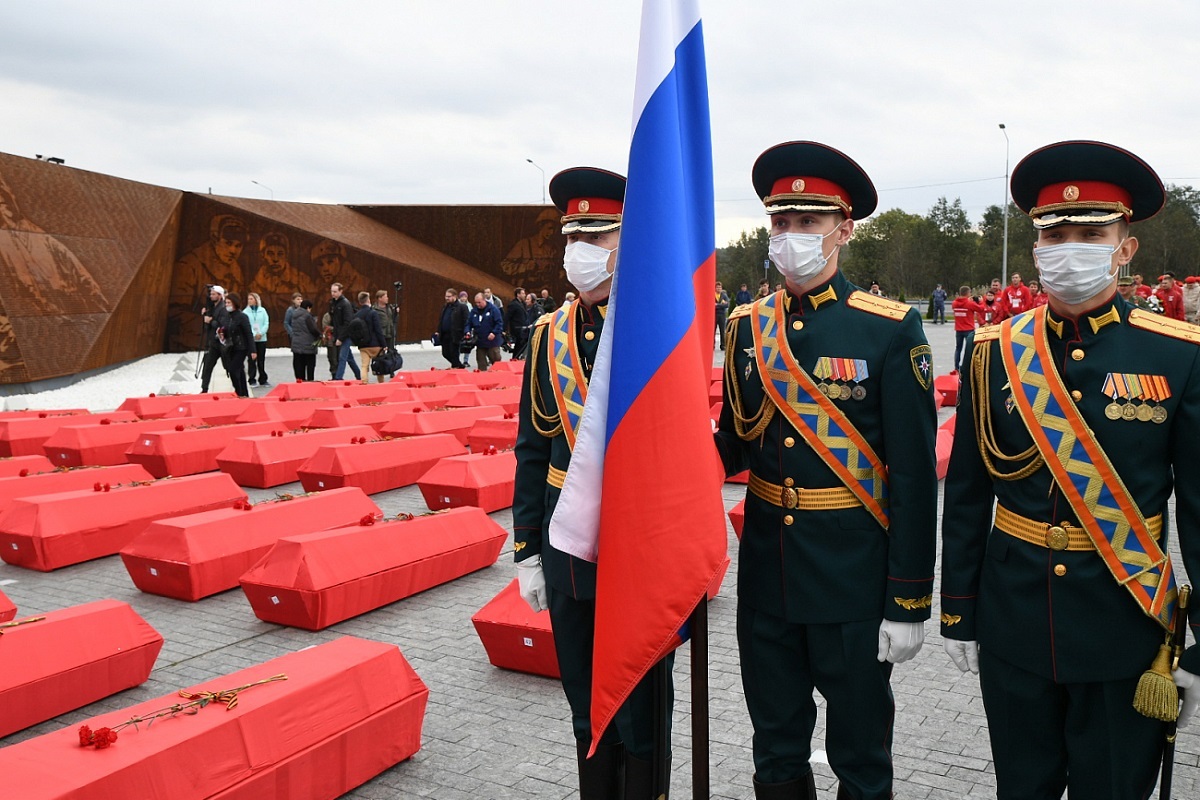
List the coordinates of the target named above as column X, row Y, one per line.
column 1157, row 391
column 860, row 374
column 821, row 371
column 844, row 393
column 1159, row 415
column 1144, row 413
column 1128, row 412
column 1112, row 410
column 858, row 392
column 1116, row 387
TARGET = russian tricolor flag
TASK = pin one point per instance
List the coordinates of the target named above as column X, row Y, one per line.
column 642, row 496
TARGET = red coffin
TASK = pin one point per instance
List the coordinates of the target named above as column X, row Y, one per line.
column 434, row 377
column 489, row 380
column 431, row 396
column 318, row 579
column 484, row 480
column 349, row 709
column 376, row 466
column 307, row 390
column 945, row 443
column 517, row 367
column 198, row 555
column 508, row 398
column 291, row 414
column 48, row 531
column 8, row 609
column 946, row 388
column 191, row 450
column 100, row 444
column 266, row 461
column 158, row 406
column 715, row 390
column 26, row 413
column 27, row 465
column 497, row 432
column 71, row 658
column 68, row 480
column 741, row 477
column 213, row 410
column 375, row 414
column 368, row 392
column 457, row 421
column 24, row 436
column 948, row 425
column 737, row 518
column 514, row 636
column 714, row 587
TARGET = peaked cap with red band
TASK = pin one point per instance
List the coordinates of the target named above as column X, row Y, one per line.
column 590, row 199
column 809, row 176
column 1085, row 183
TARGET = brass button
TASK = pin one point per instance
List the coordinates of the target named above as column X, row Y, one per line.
column 788, row 482
column 789, row 442
column 1060, row 570
column 1057, row 538
column 797, row 325
column 1077, row 355
column 1076, row 395
column 787, row 520
column 589, row 335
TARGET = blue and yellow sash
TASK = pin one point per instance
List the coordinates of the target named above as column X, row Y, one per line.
column 822, row 424
column 566, row 370
column 1082, row 470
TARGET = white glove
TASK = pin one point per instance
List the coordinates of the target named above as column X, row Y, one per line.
column 1191, row 698
column 965, row 655
column 532, row 583
column 900, row 641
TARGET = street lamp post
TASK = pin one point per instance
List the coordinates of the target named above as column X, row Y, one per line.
column 1004, row 256
column 264, row 186
column 539, row 169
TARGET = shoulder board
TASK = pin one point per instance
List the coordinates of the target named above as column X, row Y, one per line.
column 739, row 312
column 544, row 319
column 987, row 333
column 879, row 306
column 1157, row 323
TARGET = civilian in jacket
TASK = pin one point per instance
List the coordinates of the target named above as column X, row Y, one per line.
column 375, row 341
column 340, row 314
column 516, row 323
column 215, row 318
column 260, row 322
column 488, row 326
column 306, row 337
column 451, row 327
column 241, row 338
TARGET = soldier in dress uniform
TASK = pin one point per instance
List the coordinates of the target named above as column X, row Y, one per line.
column 1076, row 420
column 552, row 401
column 828, row 401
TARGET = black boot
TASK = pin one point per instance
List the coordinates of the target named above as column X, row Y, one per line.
column 844, row 793
column 639, row 780
column 800, row 789
column 600, row 775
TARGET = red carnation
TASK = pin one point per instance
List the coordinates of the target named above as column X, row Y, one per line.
column 97, row 487
column 104, row 737
column 509, row 415
column 106, row 421
column 152, row 394
column 23, row 473
column 85, row 736
column 178, row 427
column 367, row 519
column 42, row 415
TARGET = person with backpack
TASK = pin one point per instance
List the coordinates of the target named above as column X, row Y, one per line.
column 367, row 335
column 487, row 324
column 340, row 315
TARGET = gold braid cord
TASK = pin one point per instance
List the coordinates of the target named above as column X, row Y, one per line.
column 747, row 428
column 545, row 424
column 981, row 360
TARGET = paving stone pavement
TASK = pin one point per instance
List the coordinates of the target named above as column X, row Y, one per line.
column 491, row 734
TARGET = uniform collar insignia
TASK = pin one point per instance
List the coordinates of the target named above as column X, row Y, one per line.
column 821, row 297
column 1100, row 320
column 1053, row 324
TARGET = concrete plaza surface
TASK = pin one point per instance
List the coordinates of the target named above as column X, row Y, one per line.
column 492, row 734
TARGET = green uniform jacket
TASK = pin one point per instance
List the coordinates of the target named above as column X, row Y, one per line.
column 839, row 565
column 1006, row 593
column 533, row 498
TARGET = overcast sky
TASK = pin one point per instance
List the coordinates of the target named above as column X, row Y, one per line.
column 410, row 101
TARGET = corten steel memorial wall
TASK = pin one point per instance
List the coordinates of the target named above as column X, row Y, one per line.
column 85, row 268
column 520, row 245
column 96, row 270
column 276, row 248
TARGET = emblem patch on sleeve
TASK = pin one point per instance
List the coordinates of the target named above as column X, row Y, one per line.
column 922, row 363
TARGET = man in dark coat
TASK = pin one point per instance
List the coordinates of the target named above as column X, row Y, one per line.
column 340, row 314
column 516, row 323
column 451, row 326
column 215, row 317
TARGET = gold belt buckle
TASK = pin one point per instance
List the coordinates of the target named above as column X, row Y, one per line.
column 789, row 498
column 1057, row 538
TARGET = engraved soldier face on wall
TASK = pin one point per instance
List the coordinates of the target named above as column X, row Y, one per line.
column 228, row 239
column 274, row 256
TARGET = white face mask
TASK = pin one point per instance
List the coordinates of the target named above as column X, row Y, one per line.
column 586, row 265
column 799, row 256
column 1075, row 272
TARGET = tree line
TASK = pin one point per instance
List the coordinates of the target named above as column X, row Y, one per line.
column 909, row 254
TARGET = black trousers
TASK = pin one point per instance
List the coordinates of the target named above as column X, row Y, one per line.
column 211, row 356
column 782, row 662
column 304, row 366
column 258, row 364
column 720, row 326
column 236, row 364
column 451, row 354
column 574, row 625
column 332, row 353
column 1083, row 737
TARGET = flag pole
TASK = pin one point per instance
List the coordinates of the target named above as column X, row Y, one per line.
column 700, row 766
column 660, row 762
